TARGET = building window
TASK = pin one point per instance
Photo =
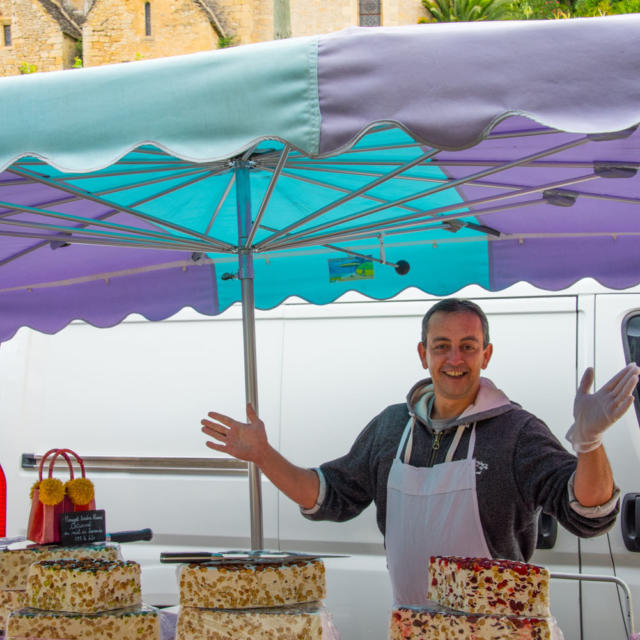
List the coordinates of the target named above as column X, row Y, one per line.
column 6, row 33
column 147, row 18
column 369, row 13
column 631, row 339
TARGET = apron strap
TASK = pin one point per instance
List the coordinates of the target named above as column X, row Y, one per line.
column 408, row 432
column 455, row 442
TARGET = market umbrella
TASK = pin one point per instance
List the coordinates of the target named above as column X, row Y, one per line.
column 432, row 156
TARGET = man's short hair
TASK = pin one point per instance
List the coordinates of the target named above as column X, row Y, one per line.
column 457, row 305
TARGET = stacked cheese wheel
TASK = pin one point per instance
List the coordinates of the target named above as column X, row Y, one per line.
column 84, row 599
column 479, row 598
column 247, row 600
column 15, row 563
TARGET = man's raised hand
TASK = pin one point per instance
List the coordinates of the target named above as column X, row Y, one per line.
column 242, row 440
column 595, row 412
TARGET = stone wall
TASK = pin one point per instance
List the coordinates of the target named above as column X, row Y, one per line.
column 252, row 20
column 114, row 31
column 312, row 17
column 402, row 12
column 36, row 39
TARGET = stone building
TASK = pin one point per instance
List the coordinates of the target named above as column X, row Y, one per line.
column 127, row 30
column 36, row 35
column 45, row 35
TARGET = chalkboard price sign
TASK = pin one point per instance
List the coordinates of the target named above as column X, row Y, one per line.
column 82, row 527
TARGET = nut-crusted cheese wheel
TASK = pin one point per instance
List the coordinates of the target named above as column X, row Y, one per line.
column 417, row 624
column 483, row 585
column 134, row 623
column 10, row 600
column 246, row 584
column 299, row 622
column 15, row 563
column 83, row 586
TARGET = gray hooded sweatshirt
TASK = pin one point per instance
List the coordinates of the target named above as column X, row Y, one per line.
column 521, row 468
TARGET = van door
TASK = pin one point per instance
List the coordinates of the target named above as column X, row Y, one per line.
column 617, row 319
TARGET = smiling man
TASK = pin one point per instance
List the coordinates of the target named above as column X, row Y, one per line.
column 458, row 469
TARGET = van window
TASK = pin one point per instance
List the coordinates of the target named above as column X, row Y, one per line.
column 631, row 339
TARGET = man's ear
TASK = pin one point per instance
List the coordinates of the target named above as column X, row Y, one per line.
column 422, row 352
column 487, row 355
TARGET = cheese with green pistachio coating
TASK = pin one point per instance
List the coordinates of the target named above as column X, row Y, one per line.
column 10, row 600
column 298, row 622
column 83, row 586
column 15, row 563
column 133, row 623
column 244, row 584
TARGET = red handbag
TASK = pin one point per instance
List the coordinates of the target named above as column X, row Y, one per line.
column 50, row 497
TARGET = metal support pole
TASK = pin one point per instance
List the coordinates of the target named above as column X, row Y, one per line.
column 245, row 274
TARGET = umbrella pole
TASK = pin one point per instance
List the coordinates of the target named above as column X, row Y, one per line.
column 245, row 274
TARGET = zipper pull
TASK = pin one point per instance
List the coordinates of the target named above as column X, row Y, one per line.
column 434, row 447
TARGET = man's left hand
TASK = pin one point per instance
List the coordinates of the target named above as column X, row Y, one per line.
column 595, row 412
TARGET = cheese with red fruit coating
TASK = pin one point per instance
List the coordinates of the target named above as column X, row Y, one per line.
column 243, row 584
column 421, row 624
column 484, row 585
column 83, row 586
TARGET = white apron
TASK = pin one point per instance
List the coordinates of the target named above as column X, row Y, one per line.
column 430, row 511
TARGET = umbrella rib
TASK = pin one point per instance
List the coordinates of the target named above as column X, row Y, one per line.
column 67, row 233
column 220, row 246
column 183, row 264
column 335, row 188
column 349, row 196
column 495, row 185
column 111, row 174
column 88, row 196
column 452, row 207
column 140, row 233
column 343, row 250
column 267, row 196
column 400, row 226
column 438, row 189
column 488, row 185
column 77, row 198
column 221, row 202
column 107, row 241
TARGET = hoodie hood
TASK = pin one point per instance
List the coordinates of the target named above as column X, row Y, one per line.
column 489, row 402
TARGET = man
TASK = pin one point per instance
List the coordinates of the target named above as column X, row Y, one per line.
column 458, row 469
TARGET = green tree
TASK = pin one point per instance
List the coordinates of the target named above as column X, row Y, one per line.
column 468, row 10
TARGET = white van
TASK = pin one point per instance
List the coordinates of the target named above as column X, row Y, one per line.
column 130, row 399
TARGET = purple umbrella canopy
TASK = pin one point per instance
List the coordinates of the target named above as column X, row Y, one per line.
column 374, row 159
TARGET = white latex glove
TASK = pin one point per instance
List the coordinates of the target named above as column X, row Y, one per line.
column 595, row 412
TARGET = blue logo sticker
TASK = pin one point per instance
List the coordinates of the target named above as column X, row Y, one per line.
column 350, row 268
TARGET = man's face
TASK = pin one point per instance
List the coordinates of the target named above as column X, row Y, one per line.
column 455, row 356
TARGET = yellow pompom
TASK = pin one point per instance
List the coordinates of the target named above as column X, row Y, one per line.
column 80, row 490
column 51, row 491
column 35, row 486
